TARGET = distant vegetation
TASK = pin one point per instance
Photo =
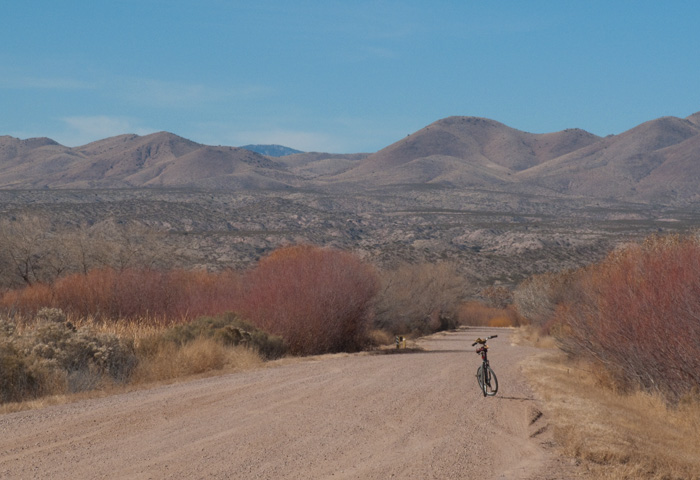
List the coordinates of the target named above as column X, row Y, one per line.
column 634, row 313
column 84, row 308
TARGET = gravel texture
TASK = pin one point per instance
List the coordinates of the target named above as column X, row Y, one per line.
column 414, row 415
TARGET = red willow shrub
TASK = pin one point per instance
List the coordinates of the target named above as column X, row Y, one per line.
column 106, row 293
column 638, row 313
column 319, row 300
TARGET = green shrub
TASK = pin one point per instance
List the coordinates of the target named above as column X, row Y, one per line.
column 17, row 381
column 52, row 356
column 228, row 329
column 79, row 351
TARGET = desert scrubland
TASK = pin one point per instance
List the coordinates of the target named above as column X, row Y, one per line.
column 258, row 315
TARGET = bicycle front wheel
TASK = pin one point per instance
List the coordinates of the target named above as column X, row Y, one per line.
column 490, row 383
column 480, row 378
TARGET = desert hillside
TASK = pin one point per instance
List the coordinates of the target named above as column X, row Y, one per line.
column 461, row 150
column 653, row 161
column 657, row 162
column 159, row 159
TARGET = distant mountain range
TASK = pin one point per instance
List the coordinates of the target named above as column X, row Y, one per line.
column 271, row 150
column 657, row 161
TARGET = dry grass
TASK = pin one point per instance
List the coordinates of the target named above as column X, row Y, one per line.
column 170, row 361
column 530, row 335
column 380, row 337
column 616, row 436
column 199, row 356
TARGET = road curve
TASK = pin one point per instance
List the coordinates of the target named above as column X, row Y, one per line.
column 366, row 416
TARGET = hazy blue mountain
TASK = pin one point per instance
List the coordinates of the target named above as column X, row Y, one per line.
column 271, row 150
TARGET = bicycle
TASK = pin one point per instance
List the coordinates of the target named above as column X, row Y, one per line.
column 484, row 375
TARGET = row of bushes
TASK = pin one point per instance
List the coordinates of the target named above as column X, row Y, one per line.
column 107, row 293
column 302, row 300
column 318, row 300
column 637, row 313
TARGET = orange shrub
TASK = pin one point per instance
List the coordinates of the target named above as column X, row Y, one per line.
column 27, row 298
column 106, row 293
column 319, row 300
column 500, row 321
column 476, row 313
column 638, row 313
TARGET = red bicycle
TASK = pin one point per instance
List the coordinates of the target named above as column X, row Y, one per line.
column 484, row 375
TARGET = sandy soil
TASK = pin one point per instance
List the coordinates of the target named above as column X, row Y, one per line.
column 411, row 415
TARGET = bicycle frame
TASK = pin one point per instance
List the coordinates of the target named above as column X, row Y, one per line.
column 484, row 355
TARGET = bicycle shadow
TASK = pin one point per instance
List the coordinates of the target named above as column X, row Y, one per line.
column 408, row 350
column 521, row 399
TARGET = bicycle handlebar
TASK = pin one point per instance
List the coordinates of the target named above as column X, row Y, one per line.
column 483, row 342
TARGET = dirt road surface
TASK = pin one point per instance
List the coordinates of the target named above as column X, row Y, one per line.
column 404, row 416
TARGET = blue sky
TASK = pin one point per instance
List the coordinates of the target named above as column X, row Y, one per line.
column 351, row 76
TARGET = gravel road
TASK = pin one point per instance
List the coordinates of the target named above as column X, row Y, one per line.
column 366, row 416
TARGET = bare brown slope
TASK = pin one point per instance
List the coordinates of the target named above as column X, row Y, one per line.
column 27, row 163
column 694, row 118
column 159, row 159
column 316, row 164
column 614, row 166
column 678, row 177
column 217, row 167
column 12, row 148
column 116, row 159
column 465, row 150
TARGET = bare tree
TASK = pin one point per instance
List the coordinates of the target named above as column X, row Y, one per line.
column 129, row 245
column 27, row 254
column 423, row 297
column 32, row 250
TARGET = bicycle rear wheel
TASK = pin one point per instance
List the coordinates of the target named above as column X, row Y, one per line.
column 490, row 383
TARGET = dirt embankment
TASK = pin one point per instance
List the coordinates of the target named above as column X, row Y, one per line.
column 412, row 415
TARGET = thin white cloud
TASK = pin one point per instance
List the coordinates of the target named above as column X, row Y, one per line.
column 161, row 93
column 44, row 83
column 85, row 129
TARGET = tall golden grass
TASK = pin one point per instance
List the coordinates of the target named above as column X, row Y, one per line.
column 616, row 435
column 202, row 355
